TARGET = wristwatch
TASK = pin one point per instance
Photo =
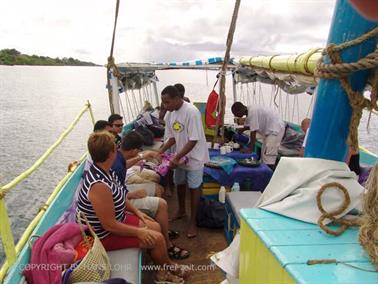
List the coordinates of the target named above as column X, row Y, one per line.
column 140, row 155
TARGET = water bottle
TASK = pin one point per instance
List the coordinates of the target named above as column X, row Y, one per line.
column 236, row 187
column 222, row 194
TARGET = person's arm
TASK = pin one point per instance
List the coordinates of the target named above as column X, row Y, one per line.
column 132, row 161
column 187, row 148
column 147, row 154
column 251, row 144
column 241, row 130
column 131, row 208
column 102, row 202
column 170, row 142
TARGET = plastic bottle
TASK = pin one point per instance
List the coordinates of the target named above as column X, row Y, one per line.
column 236, row 187
column 222, row 194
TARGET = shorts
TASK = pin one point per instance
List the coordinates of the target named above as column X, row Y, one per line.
column 270, row 145
column 116, row 242
column 193, row 178
column 148, row 205
column 150, row 188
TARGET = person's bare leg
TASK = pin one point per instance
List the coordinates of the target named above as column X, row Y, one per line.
column 162, row 218
column 159, row 190
column 169, row 185
column 152, row 225
column 181, row 194
column 159, row 250
column 195, row 194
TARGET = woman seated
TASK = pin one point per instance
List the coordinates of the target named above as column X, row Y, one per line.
column 117, row 223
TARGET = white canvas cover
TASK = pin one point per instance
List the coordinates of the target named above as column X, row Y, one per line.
column 296, row 181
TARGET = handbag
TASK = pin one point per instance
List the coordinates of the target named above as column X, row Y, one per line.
column 95, row 266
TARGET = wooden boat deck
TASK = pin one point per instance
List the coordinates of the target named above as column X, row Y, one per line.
column 207, row 242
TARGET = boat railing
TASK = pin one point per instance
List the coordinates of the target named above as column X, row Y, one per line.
column 12, row 250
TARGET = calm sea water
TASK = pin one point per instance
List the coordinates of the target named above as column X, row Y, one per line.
column 38, row 103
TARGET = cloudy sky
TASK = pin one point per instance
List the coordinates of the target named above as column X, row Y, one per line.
column 162, row 30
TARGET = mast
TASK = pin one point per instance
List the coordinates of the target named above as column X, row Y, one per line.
column 332, row 112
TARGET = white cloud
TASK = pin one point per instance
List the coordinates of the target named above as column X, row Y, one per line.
column 161, row 30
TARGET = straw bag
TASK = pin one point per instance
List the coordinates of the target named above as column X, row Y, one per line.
column 95, row 266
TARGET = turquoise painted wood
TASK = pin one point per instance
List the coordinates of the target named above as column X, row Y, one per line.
column 304, row 237
column 332, row 273
column 302, row 253
column 254, row 213
column 294, row 242
column 58, row 206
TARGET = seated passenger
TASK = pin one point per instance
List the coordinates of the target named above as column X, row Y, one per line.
column 116, row 122
column 142, row 195
column 116, row 222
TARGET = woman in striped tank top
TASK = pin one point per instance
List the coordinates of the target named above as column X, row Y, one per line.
column 102, row 199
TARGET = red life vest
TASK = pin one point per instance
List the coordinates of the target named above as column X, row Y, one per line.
column 211, row 113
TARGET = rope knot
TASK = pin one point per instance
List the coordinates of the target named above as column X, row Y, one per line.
column 344, row 224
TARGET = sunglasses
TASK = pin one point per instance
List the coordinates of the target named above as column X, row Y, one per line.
column 118, row 125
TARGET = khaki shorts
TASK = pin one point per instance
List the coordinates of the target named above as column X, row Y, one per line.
column 270, row 145
column 148, row 205
column 150, row 188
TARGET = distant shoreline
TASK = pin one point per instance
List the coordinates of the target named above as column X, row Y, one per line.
column 57, row 65
column 13, row 57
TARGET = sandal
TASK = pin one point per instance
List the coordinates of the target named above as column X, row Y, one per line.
column 176, row 252
column 166, row 277
column 173, row 234
column 182, row 271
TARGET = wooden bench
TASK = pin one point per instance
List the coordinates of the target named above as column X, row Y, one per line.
column 126, row 264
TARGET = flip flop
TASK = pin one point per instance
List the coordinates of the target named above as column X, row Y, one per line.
column 166, row 277
column 175, row 252
column 173, row 234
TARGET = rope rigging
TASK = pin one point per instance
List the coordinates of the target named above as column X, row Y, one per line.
column 222, row 97
column 339, row 70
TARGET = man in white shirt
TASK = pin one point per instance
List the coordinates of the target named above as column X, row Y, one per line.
column 268, row 124
column 184, row 130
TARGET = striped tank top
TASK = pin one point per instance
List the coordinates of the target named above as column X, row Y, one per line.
column 94, row 175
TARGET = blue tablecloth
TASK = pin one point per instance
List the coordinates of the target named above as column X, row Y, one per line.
column 259, row 176
column 236, row 155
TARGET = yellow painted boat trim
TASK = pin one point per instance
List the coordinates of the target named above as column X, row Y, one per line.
column 304, row 63
column 11, row 251
column 257, row 263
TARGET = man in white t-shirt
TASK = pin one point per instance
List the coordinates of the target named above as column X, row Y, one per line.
column 184, row 130
column 268, row 124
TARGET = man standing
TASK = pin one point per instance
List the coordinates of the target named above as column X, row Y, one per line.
column 268, row 124
column 184, row 130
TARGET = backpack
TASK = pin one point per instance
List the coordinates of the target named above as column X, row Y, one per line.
column 157, row 130
column 211, row 214
column 148, row 136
